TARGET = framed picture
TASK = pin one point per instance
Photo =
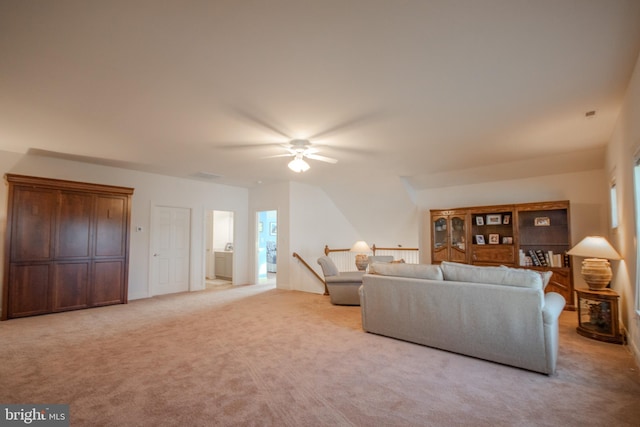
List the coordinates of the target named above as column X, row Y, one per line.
column 479, row 220
column 506, row 219
column 494, row 219
column 479, row 239
column 494, row 239
column 542, row 221
column 273, row 228
column 507, row 240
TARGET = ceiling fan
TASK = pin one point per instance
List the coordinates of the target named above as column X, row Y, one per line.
column 300, row 149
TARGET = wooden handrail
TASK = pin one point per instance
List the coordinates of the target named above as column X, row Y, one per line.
column 327, row 251
column 374, row 248
column 296, row 255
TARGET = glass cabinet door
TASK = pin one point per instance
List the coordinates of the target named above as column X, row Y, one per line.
column 458, row 239
column 440, row 233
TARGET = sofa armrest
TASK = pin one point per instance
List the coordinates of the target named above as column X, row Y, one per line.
column 553, row 305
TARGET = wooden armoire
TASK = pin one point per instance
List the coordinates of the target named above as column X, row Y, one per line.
column 506, row 235
column 67, row 246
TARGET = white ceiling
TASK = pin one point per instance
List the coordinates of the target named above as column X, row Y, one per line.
column 434, row 91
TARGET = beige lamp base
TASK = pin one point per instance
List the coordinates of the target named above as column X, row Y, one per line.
column 596, row 272
column 361, row 262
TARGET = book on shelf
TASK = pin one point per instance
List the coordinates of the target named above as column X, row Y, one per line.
column 540, row 258
column 534, row 257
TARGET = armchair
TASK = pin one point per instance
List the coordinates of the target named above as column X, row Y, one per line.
column 343, row 287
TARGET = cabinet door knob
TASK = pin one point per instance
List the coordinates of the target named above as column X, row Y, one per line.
column 156, row 254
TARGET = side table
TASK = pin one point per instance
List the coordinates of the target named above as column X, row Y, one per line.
column 598, row 315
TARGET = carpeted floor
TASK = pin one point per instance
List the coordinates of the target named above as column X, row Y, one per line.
column 258, row 356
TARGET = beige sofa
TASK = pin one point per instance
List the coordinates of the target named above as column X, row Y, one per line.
column 495, row 313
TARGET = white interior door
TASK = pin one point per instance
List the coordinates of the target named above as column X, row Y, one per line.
column 171, row 248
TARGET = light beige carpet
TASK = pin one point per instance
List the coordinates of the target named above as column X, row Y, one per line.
column 257, row 356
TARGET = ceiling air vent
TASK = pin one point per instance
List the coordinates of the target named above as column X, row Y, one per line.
column 206, row 175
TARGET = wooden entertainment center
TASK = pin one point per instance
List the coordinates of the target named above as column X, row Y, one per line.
column 527, row 235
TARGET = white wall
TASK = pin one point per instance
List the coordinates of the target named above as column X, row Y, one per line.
column 315, row 221
column 378, row 204
column 223, row 229
column 624, row 145
column 587, row 192
column 150, row 190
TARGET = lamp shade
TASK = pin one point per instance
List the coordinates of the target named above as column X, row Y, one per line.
column 360, row 247
column 594, row 247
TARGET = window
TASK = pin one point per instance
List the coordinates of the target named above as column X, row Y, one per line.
column 613, row 200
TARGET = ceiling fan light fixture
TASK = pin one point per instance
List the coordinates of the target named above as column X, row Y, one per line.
column 298, row 165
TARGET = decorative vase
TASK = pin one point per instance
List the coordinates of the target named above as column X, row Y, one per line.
column 361, row 262
column 596, row 272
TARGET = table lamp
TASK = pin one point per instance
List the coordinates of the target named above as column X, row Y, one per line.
column 362, row 249
column 596, row 269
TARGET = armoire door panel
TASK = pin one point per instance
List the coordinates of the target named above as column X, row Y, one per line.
column 29, row 292
column 73, row 237
column 71, row 286
column 67, row 246
column 33, row 222
column 108, row 282
column 110, row 226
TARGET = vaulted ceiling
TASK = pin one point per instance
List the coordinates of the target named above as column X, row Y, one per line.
column 432, row 91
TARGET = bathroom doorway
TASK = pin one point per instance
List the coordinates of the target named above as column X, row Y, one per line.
column 267, row 247
column 219, row 259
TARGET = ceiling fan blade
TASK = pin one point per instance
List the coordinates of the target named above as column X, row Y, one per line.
column 321, row 158
column 259, row 120
column 279, row 155
column 244, row 146
column 289, row 148
column 348, row 124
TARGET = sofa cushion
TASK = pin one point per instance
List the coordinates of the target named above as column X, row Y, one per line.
column 380, row 258
column 457, row 272
column 523, row 278
column 415, row 271
column 345, row 277
column 502, row 275
column 545, row 276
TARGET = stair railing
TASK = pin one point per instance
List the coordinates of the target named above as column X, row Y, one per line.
column 296, row 255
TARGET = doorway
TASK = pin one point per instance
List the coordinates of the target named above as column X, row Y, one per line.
column 219, row 253
column 267, row 247
column 171, row 242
